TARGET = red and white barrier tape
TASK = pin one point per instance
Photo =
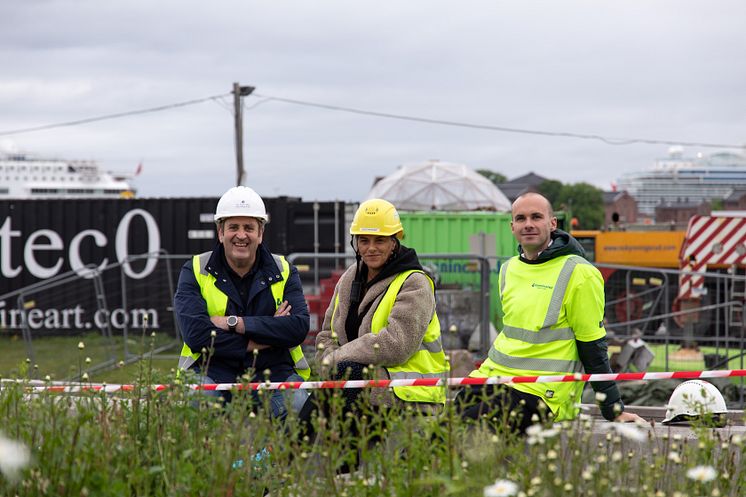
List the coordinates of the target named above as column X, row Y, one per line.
column 423, row 382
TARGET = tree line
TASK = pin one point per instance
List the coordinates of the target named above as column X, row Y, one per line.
column 582, row 202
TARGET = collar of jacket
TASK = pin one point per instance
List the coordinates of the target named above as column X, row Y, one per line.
column 562, row 244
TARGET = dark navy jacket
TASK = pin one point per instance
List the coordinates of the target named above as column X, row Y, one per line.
column 230, row 359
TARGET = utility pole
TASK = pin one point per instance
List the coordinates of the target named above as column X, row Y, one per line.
column 238, row 92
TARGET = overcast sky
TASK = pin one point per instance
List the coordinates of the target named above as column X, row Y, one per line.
column 667, row 70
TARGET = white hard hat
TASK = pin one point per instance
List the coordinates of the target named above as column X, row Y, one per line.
column 241, row 201
column 695, row 398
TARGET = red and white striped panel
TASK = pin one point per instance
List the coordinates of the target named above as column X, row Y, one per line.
column 710, row 241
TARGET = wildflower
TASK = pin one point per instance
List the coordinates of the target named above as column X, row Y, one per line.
column 152, row 334
column 600, row 396
column 586, row 475
column 552, row 454
column 14, row 456
column 81, row 345
column 674, row 456
column 84, row 377
column 213, row 334
column 701, row 473
column 537, row 434
column 736, row 440
column 629, row 431
column 616, row 456
column 501, row 488
column 87, row 360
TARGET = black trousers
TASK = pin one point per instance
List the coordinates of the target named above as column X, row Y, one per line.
column 318, row 402
column 498, row 401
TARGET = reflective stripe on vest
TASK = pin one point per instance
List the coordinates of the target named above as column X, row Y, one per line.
column 217, row 303
column 429, row 361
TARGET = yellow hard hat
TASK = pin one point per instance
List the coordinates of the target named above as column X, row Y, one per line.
column 377, row 217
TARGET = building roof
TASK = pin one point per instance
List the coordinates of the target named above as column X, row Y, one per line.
column 611, row 197
column 530, row 179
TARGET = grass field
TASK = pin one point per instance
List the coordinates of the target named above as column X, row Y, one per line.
column 168, row 443
column 60, row 357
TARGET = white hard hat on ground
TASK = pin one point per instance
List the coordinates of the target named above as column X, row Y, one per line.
column 695, row 399
column 241, row 201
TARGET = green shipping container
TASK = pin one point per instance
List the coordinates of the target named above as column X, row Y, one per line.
column 481, row 233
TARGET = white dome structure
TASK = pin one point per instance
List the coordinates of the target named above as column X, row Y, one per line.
column 443, row 186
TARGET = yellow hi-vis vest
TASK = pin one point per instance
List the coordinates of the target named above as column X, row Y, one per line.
column 217, row 302
column 542, row 343
column 429, row 361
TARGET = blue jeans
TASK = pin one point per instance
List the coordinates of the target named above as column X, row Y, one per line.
column 278, row 402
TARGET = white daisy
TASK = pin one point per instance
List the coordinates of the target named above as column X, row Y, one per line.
column 701, row 473
column 629, row 431
column 14, row 456
column 501, row 488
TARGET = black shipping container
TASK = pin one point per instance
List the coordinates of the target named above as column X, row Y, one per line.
column 43, row 239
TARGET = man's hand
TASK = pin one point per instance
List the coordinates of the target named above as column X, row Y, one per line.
column 220, row 322
column 253, row 346
column 283, row 309
column 629, row 417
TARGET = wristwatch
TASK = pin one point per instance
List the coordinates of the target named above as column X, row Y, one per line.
column 232, row 323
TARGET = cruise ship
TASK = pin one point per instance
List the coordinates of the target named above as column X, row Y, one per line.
column 27, row 177
column 677, row 178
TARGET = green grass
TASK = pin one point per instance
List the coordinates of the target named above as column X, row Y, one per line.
column 164, row 445
column 168, row 443
column 60, row 357
column 695, row 364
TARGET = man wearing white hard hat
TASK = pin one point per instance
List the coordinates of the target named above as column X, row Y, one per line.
column 243, row 303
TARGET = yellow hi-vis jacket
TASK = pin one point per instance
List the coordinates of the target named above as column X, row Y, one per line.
column 217, row 302
column 547, row 306
column 429, row 361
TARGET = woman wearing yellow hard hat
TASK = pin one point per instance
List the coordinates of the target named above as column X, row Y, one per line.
column 383, row 314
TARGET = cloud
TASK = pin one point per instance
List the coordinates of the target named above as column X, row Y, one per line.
column 664, row 70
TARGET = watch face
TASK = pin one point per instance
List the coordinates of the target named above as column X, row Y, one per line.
column 232, row 321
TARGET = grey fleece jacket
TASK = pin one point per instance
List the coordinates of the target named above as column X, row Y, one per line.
column 391, row 346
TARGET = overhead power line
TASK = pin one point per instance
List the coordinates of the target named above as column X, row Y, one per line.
column 112, row 116
column 604, row 139
column 387, row 115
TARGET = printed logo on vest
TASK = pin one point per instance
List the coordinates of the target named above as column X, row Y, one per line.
column 541, row 286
